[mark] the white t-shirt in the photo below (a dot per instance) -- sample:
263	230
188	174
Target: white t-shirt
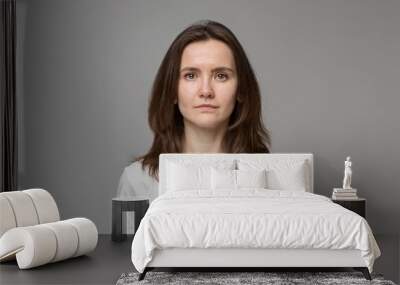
135	182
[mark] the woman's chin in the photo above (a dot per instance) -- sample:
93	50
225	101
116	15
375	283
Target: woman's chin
209	125
206	122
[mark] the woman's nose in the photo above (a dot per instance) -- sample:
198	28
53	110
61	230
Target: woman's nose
206	88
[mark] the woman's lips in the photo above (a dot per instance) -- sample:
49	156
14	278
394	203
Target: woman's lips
206	108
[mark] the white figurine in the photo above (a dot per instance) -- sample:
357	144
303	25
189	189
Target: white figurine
347	174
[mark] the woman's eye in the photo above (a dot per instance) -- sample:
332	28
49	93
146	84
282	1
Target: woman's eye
189	75
222	76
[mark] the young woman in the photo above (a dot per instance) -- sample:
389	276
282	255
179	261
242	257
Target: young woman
205	99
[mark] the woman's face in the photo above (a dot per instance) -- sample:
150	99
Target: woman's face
207	77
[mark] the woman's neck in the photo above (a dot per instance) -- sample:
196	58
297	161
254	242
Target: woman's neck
200	140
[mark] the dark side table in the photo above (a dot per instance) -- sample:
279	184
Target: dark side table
138	204
357	205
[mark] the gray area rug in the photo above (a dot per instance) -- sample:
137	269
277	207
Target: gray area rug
273	278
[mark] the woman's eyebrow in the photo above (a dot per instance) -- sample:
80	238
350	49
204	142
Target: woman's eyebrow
221	68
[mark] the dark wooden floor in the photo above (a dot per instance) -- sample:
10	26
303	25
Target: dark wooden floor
111	259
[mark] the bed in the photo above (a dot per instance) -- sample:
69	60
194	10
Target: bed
244	211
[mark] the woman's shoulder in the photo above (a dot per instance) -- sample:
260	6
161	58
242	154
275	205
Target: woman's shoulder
136	181
136	170
134	166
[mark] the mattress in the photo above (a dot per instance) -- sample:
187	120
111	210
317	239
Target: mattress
250	219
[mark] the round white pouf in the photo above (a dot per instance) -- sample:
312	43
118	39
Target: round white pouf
33	245
40	244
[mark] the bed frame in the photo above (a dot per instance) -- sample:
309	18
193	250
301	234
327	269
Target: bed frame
248	259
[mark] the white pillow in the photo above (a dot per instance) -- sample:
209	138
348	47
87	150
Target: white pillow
237	179
251	178
282	174
289	179
186	175
223	179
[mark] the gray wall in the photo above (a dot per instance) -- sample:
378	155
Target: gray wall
328	71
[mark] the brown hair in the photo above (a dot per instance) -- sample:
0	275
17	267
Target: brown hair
246	132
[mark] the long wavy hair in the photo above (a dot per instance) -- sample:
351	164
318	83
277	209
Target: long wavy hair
246	132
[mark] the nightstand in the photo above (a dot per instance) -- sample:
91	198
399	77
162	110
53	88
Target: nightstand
138	204
357	205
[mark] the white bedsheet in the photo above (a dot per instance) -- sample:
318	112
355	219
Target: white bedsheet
251	218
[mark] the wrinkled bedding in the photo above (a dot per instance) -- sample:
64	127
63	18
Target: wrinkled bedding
250	218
